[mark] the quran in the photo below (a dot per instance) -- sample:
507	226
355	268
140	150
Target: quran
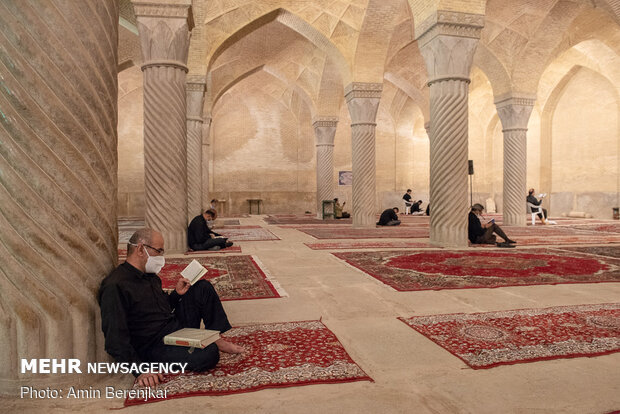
192	337
194	271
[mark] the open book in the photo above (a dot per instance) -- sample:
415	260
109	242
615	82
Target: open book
194	271
192	337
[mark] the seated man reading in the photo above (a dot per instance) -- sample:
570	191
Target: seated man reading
479	233
201	237
136	313
338	213
389	217
533	200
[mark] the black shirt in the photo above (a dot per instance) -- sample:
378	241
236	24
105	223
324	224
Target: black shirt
387	216
198	232
135	312
407	197
474	229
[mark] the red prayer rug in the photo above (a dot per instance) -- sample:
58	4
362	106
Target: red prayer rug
387	232
231	249
609	227
303	220
366	245
277	355
466	269
486	340
233	277
247	233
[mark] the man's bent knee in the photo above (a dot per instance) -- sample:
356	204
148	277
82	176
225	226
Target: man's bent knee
204	359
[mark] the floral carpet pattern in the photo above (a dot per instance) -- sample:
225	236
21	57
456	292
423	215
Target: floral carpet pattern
397	232
486	340
277	355
466	269
233	277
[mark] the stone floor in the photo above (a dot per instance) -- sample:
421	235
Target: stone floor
411	373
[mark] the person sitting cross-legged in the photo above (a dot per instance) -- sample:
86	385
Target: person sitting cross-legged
136	313
201	237
389	217
479	233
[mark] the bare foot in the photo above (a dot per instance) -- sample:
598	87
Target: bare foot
229	347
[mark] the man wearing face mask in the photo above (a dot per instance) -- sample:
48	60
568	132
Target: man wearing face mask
136	313
201	237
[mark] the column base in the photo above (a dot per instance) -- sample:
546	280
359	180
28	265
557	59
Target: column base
514	220
175	241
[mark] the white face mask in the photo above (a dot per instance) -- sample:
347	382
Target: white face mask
210	224
154	264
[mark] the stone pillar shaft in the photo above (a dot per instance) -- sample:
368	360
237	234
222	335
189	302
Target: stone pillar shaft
164	38
514	112
195	102
363	102
325	131
58	183
206	132
448	43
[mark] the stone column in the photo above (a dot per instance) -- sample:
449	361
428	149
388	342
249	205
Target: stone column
206	132
325	131
514	111
58	184
195	101
164	39
447	43
363	102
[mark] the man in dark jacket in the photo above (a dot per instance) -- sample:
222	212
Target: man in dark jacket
389	217
479	233
201	237
533	200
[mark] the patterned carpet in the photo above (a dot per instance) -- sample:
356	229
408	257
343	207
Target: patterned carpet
345	244
486	340
247	233
466	269
303	220
277	355
234	277
396	232
232	249
610	251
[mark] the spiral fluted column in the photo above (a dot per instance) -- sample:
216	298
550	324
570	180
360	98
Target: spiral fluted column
195	100
448	42
363	102
324	131
514	111
164	40
58	185
206	131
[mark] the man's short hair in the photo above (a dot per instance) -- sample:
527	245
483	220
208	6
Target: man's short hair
211	212
409	190
144	236
530	191
477	206
395	208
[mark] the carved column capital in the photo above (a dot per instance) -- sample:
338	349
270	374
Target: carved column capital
164	32
363	102
195	88
206	129
325	130
514	110
448	43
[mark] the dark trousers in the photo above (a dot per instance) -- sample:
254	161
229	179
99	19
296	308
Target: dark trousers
543	215
393	223
488	237
219	241
200	303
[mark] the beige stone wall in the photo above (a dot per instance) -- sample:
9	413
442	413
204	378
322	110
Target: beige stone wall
130	143
585	146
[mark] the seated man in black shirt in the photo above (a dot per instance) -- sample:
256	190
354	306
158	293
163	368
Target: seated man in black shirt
389	217
136	313
407	198
201	237
479	233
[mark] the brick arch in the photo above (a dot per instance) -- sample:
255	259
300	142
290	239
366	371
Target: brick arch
295	23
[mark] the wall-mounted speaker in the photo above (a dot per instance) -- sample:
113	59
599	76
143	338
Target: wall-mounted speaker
471	166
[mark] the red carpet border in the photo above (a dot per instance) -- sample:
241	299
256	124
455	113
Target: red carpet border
396	232
610	251
486	340
367	245
233	277
466	269
277	355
